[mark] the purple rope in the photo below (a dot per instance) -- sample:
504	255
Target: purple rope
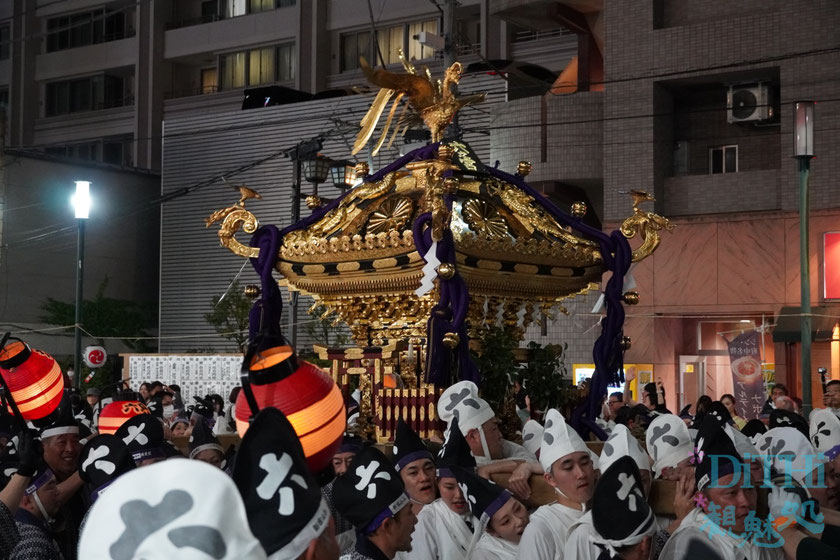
617	255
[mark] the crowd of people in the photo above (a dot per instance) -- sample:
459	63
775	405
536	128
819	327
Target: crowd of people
82	487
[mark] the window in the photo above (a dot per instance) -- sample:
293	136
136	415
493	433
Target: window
262	5
257	67
86	94
209	80
236	8
4	98
390	39
5	42
115	150
261	66
723	159
286	62
87	28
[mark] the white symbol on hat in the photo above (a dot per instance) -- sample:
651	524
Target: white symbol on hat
136	433
9	472
276	472
96	457
628	490
366	475
466	493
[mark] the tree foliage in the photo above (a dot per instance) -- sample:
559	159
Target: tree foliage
229	317
105	317
496	363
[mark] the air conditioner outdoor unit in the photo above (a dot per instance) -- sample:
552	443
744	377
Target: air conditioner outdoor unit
749	103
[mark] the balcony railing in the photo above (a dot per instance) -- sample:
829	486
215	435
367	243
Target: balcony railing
193	21
536	35
190	92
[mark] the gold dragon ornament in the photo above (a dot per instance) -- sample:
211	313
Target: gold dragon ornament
432	100
646	224
236	217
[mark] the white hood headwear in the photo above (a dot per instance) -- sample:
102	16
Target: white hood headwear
669	442
174	509
532	434
462	401
559	440
825	433
743	445
622	443
788	451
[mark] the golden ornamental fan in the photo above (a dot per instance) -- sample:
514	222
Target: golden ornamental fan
484	219
392	215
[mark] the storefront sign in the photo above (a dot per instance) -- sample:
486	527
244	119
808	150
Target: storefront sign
747	376
831	265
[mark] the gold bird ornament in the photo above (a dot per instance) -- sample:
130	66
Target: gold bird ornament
432	100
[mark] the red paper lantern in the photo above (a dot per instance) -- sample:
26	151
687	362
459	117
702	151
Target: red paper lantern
308	397
114	415
34	379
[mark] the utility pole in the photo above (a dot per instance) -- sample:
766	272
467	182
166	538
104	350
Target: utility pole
449	31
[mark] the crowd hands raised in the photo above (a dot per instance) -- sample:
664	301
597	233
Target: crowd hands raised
105	480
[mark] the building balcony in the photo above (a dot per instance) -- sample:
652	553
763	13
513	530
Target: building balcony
75	127
86	60
230	34
745	191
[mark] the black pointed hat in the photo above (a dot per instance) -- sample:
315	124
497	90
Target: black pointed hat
781	418
103	459
483	496
714	453
408	447
455	452
621	515
753	428
285	507
143	434
202	439
350	443
370	491
719	412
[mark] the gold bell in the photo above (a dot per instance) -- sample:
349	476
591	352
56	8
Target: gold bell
361	169
252	291
314	201
451	340
631	298
626	343
446	270
579	209
523	168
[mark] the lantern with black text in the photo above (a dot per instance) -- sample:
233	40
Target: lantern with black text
115	414
307	396
33	378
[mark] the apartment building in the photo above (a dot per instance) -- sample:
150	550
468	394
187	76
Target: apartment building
696	107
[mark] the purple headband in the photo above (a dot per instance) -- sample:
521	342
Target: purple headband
143	454
411	457
389	511
349	448
496	504
832	453
44	478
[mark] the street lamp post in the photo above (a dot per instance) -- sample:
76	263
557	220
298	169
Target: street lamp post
81	205
803	151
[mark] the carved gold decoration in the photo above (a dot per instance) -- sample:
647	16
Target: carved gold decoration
446	270
523	168
361	169
631	297
233	218
392	214
450	185
451	340
646	224
433	100
252	291
579	209
314	201
484	219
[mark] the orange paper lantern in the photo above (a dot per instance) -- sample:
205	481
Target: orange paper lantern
307	396
34	379
114	415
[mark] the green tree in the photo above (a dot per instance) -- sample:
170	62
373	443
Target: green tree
322	331
496	363
106	317
545	376
229	317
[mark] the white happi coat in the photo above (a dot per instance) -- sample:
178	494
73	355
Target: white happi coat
440	534
510	450
545	536
729	548
489	547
